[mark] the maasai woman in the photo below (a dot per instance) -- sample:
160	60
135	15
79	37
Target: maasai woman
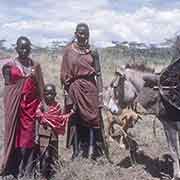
23	86
79	75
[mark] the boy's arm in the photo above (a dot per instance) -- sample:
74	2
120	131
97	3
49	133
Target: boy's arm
37	123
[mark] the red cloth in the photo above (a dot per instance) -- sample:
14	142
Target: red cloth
12	97
21	98
53	117
78	77
27	109
15	74
25	132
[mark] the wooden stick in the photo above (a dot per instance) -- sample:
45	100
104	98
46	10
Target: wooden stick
164	87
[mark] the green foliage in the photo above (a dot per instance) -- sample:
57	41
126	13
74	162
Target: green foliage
122	55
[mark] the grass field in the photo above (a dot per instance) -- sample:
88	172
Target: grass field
148	166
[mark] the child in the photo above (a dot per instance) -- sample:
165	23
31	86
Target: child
51	124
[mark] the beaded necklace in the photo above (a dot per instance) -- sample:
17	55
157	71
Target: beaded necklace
79	50
25	70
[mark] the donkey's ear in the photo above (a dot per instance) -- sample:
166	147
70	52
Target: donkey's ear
116	81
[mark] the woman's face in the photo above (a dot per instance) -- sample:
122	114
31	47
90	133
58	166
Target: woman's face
82	35
23	49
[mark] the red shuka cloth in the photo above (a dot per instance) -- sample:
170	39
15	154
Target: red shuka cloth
29	102
78	78
21	99
25	132
53	117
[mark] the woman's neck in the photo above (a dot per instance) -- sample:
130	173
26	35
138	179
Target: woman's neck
24	62
80	49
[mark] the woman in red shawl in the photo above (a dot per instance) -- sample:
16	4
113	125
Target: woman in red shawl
78	76
23	84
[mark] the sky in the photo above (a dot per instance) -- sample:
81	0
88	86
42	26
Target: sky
146	21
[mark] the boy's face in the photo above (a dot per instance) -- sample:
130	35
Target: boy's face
49	94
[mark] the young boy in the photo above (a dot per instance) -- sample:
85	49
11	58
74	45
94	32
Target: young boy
51	123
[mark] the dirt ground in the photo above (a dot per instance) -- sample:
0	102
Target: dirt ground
152	162
152	159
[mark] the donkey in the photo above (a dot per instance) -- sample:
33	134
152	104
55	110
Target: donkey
125	87
120	98
153	101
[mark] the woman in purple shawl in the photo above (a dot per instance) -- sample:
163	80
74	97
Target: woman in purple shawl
78	76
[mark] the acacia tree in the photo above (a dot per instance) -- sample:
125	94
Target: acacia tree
2	41
176	48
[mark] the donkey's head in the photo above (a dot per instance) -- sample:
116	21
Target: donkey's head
118	86
116	92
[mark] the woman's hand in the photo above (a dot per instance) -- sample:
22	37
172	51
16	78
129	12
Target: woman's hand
100	100
33	71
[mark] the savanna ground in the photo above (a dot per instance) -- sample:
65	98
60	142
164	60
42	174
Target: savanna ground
149	162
